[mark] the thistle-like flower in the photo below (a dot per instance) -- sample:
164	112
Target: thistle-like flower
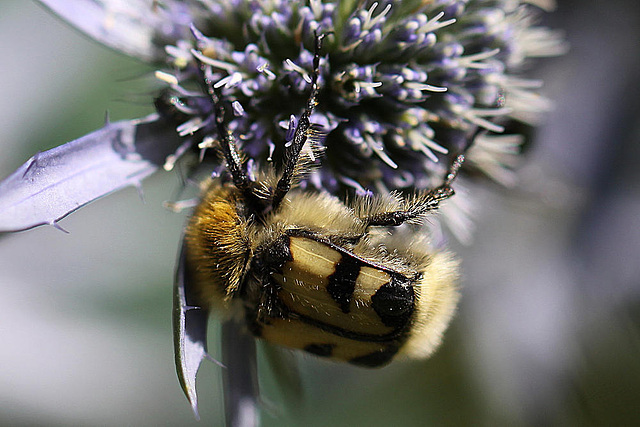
403	86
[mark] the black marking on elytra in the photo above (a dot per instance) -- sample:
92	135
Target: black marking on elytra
342	282
394	301
375	359
392	336
322	350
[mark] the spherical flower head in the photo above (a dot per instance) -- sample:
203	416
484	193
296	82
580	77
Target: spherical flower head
402	86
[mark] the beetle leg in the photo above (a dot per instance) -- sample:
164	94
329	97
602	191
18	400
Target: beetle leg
418	205
292	153
228	146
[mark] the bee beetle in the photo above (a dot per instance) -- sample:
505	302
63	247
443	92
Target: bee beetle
305	270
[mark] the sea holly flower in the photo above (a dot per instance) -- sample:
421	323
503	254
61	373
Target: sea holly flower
403	86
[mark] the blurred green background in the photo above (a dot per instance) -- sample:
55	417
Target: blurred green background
547	332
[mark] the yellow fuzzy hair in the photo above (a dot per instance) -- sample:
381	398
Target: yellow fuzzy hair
436	300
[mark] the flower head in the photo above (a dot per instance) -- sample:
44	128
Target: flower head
402	84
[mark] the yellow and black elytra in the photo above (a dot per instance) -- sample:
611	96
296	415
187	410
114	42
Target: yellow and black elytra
310	272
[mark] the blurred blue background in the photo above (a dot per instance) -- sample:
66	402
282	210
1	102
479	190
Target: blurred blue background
547	332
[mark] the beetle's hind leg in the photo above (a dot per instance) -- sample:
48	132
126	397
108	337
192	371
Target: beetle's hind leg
415	206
